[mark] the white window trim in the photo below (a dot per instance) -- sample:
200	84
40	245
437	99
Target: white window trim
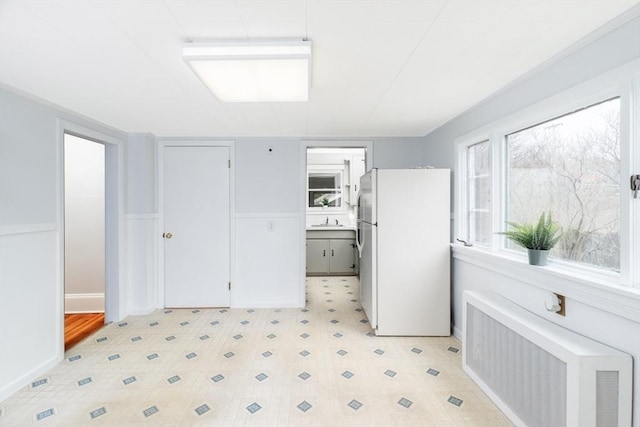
468	232
328	168
615	292
460	226
634	160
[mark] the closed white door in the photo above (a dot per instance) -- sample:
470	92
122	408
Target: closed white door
196	226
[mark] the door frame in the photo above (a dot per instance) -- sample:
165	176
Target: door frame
115	303
195	142
367	144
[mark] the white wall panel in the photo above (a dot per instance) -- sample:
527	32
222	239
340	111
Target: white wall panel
606	328
141	223
30	304
268	261
141	259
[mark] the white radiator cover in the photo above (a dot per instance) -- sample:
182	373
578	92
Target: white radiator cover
540	374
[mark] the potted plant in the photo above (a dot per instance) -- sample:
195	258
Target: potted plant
537	238
324	202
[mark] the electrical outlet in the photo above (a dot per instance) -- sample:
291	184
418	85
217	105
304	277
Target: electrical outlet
561	300
271	226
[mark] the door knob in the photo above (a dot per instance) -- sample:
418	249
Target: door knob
167	235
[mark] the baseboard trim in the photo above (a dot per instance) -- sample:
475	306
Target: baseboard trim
84	303
457	333
24	380
266	304
141	311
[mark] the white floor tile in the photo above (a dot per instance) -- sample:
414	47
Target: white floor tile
317	366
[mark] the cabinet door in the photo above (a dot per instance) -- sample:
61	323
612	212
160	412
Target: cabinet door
356	170
342	256
317	256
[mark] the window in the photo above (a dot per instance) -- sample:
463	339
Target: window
478	194
325	189
570	166
570	155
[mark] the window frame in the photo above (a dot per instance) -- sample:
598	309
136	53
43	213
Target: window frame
468	228
333	169
624	83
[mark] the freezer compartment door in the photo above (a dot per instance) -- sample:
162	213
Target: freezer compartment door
367	198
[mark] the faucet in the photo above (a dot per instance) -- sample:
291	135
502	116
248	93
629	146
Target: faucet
326	222
337	222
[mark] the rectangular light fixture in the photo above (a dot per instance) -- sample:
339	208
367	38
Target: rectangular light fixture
253	70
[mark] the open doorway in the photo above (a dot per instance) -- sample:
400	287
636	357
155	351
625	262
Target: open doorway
84	238
332	187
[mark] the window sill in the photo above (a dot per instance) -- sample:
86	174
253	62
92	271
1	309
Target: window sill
603	293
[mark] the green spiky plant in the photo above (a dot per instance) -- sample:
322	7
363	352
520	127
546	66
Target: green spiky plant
541	236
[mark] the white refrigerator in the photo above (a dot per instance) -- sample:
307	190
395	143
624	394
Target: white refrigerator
403	241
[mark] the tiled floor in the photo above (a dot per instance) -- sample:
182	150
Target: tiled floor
318	366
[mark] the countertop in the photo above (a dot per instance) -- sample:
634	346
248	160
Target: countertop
331	228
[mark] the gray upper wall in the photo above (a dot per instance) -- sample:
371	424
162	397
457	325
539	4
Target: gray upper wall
615	48
29	138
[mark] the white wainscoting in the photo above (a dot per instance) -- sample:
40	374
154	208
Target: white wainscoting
268	261
603	324
30	304
142	234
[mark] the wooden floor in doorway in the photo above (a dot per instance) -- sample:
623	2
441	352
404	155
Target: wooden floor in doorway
79	326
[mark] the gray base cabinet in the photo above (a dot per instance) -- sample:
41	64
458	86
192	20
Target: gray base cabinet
331	253
317	259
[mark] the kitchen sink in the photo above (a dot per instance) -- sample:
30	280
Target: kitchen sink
328	225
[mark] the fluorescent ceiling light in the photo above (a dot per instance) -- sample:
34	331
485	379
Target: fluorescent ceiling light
253	71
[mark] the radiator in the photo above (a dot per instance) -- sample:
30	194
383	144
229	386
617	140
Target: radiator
540	374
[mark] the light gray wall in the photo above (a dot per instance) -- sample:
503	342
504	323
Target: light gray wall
267	222
31	312
140	174
610	51
28	170
616	48
270	215
141	223
397	153
267	181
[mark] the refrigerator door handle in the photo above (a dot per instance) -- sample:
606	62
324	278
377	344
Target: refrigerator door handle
360	237
359	221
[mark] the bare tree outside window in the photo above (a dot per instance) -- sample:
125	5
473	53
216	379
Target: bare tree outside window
570	166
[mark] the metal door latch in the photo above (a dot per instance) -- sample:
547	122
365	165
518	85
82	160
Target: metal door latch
635	185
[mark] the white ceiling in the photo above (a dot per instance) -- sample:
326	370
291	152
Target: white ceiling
380	67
